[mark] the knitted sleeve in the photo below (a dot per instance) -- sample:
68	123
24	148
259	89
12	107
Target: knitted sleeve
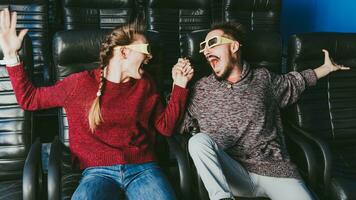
30	97
288	87
189	122
167	118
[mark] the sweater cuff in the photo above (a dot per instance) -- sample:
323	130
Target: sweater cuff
309	77
179	92
15	69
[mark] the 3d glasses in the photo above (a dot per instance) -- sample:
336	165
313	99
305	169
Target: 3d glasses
214	41
142	48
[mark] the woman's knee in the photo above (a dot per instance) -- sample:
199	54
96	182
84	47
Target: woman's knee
92	187
148	181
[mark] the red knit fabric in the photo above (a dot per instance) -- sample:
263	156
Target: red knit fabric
132	112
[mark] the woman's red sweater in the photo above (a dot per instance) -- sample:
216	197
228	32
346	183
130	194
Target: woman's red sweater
132	113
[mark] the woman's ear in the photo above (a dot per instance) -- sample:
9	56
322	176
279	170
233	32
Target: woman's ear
121	52
235	46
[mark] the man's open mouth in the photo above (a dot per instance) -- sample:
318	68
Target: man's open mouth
213	60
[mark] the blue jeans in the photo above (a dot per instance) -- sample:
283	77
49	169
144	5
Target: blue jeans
136	181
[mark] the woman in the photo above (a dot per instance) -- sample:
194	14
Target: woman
113	113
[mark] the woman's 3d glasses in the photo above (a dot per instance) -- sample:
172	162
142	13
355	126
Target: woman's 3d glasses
142	48
214	41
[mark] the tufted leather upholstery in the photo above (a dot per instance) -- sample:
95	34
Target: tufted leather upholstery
33	15
68	61
173	19
55	16
261	15
104	14
325	115
16	138
84	14
63	177
191	50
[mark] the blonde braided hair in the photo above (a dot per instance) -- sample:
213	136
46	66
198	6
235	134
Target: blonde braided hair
120	36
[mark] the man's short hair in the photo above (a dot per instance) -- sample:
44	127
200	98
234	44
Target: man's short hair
233	29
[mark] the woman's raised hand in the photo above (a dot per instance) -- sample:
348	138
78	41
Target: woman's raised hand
10	42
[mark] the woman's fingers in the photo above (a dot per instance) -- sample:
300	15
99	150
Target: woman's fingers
9	24
4	20
13	21
2	23
183	68
7	19
22	33
181	61
177	67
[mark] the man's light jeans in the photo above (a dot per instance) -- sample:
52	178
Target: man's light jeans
223	177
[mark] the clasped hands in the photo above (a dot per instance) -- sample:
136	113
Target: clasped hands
182	72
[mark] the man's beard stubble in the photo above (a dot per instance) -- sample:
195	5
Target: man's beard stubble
227	70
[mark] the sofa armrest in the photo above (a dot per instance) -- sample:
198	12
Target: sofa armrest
54	170
322	146
183	166
32	173
309	156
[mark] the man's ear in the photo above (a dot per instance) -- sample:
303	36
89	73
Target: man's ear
235	46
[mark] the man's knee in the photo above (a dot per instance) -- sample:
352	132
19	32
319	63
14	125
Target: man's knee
199	142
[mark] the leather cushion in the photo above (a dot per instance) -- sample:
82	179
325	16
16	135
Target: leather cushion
11	190
343	188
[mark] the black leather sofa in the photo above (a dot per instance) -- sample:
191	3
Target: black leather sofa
324	118
20	152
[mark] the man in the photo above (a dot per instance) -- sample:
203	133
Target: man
240	150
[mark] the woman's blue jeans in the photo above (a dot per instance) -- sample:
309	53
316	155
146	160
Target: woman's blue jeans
136	181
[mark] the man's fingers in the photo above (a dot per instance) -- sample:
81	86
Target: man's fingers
188	72
187	65
326	52
342	67
191	71
180	65
326	56
185	68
